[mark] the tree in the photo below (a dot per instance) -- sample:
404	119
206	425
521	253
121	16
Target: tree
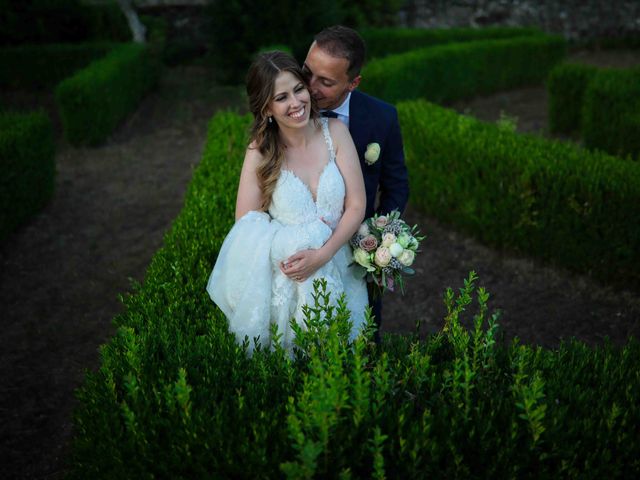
137	28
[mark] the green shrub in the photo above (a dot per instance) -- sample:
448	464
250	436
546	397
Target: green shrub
549	199
566	86
237	19
95	100
386	41
371	13
28	167
175	397
60	21
455	71
619	41
156	36
43	66
611	112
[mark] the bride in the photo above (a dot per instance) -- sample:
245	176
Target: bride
300	199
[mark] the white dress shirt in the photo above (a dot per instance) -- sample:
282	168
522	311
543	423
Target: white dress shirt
343	110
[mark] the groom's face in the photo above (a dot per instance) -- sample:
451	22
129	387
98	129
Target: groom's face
328	78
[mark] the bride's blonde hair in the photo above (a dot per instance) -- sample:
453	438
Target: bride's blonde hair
264	134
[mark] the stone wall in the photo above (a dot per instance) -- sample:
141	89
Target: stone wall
575	19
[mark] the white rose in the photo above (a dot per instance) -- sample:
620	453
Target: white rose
364	230
395	249
388	239
372	154
407	257
362	258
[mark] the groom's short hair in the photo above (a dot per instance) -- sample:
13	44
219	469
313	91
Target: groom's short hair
343	42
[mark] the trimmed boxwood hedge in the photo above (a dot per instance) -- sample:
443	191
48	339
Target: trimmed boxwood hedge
546	198
460	70
566	85
93	101
43	66
611	112
175	397
601	103
28	167
386	41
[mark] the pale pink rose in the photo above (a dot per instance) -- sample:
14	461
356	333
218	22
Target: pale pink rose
383	257
381	222
388	239
369	243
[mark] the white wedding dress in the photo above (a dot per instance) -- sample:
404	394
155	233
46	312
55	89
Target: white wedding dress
246	281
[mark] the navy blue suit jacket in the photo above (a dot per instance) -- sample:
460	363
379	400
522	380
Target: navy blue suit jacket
374	121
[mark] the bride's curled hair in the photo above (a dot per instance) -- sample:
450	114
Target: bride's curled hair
264	134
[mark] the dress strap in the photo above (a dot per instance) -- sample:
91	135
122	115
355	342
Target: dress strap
327	137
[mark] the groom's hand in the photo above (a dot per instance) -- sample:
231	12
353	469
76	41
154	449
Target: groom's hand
302	265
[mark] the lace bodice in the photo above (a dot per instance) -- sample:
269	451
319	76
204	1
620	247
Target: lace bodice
293	202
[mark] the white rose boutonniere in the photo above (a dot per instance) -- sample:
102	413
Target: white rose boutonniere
372	154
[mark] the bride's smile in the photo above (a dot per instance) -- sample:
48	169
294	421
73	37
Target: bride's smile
298	114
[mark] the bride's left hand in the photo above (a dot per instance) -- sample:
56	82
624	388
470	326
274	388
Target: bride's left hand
303	264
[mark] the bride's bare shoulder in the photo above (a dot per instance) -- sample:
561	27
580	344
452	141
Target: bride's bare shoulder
252	156
339	132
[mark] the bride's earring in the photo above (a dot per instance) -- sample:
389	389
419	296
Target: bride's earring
270	119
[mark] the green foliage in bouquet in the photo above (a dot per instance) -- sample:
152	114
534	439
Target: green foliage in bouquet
29	67
566	85
462	70
386	41
611	112
176	397
28	167
549	199
95	100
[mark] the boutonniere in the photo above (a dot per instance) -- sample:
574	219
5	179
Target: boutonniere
372	154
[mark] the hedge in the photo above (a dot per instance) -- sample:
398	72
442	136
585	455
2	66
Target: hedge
175	397
566	86
386	41
43	66
611	115
260	23
28	167
96	99
452	72
545	198
60	21
600	103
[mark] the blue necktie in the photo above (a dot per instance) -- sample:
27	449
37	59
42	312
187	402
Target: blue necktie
329	114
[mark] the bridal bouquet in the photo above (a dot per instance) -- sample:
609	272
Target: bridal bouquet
384	248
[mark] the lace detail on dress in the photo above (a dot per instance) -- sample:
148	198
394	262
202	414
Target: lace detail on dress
327	138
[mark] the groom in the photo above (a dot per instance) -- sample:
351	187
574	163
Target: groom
332	68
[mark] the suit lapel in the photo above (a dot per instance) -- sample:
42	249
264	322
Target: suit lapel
359	122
